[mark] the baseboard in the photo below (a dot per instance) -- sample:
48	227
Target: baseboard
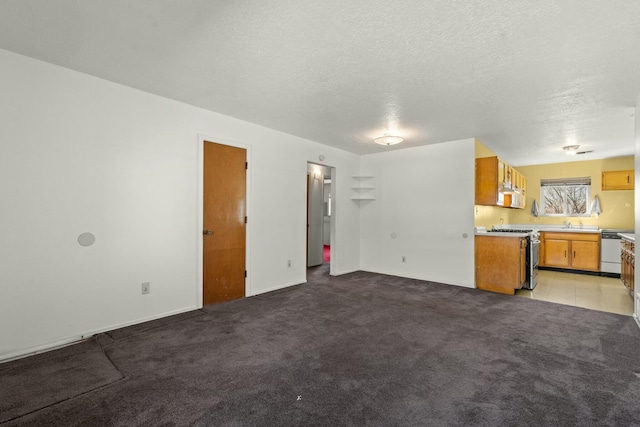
340	273
277	288
569	270
472	286
74	339
607	274
635	316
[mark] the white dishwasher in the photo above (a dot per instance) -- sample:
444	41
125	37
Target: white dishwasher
610	251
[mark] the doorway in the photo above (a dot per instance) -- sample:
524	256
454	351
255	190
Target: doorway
320	216
224	222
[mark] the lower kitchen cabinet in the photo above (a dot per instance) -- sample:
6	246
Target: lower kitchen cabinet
555	253
627	258
586	255
575	251
500	263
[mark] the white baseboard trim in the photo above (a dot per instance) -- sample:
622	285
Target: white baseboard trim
277	288
424	279
635	317
74	339
340	273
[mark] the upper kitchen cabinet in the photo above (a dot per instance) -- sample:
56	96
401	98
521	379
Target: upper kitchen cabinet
499	184
617	180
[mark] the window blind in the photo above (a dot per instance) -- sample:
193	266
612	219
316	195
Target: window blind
565	181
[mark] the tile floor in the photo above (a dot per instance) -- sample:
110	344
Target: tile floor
581	290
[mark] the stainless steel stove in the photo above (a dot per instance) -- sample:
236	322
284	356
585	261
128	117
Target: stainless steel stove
509	230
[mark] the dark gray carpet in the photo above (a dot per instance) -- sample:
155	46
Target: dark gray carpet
367	349
33	383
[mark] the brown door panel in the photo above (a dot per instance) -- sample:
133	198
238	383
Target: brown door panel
224	214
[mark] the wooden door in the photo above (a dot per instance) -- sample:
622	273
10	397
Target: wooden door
585	255
556	253
224	233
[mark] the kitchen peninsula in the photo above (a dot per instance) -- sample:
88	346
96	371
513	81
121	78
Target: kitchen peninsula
501	261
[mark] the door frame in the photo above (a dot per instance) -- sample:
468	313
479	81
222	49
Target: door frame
200	213
332	221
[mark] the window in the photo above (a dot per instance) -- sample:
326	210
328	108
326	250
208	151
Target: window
565	196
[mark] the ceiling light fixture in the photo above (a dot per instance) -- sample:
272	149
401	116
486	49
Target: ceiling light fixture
571	149
388	140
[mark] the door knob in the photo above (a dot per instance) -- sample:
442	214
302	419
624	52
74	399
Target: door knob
207	232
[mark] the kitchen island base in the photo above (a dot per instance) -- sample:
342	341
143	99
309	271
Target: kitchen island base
500	263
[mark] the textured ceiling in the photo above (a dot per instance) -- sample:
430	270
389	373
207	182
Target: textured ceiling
525	77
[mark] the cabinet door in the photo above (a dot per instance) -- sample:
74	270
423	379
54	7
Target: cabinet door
632	273
489	172
626	270
497	262
585	255
556	253
617	180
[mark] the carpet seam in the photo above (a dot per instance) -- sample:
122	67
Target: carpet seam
65	400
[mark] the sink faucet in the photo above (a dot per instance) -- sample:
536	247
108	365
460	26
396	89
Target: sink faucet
581	224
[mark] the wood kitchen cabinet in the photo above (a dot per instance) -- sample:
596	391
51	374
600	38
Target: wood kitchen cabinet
500	263
492	175
627	258
617	180
555	253
576	251
586	255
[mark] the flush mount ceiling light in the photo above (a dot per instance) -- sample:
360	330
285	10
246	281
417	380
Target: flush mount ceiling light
388	140
571	149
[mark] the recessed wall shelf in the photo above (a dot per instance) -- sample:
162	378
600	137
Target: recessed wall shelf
363	188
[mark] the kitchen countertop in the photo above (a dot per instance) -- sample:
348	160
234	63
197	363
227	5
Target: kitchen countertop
569	230
575	228
629	237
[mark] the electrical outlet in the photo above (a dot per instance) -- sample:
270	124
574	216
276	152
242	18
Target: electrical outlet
289	263
146	288
404	258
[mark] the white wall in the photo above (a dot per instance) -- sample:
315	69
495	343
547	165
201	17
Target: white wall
424	197
81	154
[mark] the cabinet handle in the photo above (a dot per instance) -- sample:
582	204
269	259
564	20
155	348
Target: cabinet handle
627	179
565	254
574	254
